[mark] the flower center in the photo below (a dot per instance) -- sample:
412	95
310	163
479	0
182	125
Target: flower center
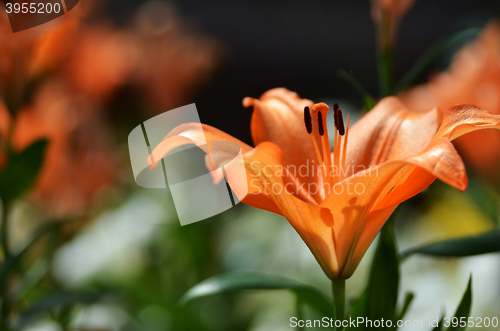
332	168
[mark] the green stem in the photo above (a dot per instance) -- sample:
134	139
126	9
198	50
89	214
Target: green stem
338	289
300	316
4	312
385	55
385	72
4	234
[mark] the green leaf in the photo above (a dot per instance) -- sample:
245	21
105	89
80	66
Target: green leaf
481	244
52	225
433	54
406	304
258	281
463	309
380	297
22	170
439	326
368	101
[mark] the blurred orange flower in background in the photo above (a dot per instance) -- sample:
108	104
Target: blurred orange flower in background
159	55
474	78
79	161
338	208
31	53
40	104
101	61
58	81
390	13
174	58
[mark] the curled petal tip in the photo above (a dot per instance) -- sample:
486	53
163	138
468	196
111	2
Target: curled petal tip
463	184
151	163
247	102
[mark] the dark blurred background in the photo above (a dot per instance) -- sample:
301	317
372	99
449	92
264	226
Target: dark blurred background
301	44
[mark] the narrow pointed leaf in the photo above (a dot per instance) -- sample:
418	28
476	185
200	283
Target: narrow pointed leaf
259	281
463	309
368	101
406	304
439	326
481	244
380	297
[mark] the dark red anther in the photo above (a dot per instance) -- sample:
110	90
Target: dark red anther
308	120
339	119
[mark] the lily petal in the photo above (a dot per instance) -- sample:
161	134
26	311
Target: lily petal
389	131
352	200
313	223
441	159
408	178
374	222
463	119
278	117
191	133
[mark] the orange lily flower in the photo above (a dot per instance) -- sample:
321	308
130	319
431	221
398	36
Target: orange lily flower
342	197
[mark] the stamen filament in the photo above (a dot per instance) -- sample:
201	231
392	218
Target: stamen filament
321	128
309	128
336	156
316	149
325	145
344	151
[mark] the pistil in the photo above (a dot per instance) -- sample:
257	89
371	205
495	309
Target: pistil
325	146
309	128
332	171
322	111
